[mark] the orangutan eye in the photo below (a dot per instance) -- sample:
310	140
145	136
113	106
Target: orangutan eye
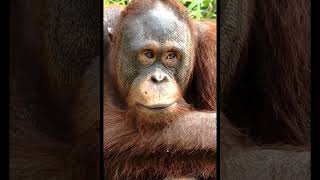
172	55
171	59
148	54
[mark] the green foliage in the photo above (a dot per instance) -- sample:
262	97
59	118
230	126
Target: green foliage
198	9
121	2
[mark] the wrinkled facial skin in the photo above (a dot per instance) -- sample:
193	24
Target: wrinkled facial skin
154	82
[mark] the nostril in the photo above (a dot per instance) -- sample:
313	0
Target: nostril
156	79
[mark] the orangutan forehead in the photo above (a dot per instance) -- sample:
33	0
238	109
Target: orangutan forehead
159	24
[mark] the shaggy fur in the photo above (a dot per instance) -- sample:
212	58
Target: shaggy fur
265	89
54	90
183	147
268	94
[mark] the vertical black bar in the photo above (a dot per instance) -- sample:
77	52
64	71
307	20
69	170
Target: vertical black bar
101	91
218	91
314	116
311	89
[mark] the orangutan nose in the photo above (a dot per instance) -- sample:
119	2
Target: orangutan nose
159	76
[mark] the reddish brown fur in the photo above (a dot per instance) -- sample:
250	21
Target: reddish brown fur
54	101
288	66
205	69
132	156
265	89
270	92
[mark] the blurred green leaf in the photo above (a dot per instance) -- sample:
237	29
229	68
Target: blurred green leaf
192	5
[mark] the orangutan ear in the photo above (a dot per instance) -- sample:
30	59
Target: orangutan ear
110	33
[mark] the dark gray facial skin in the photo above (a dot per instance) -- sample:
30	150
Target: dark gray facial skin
161	29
